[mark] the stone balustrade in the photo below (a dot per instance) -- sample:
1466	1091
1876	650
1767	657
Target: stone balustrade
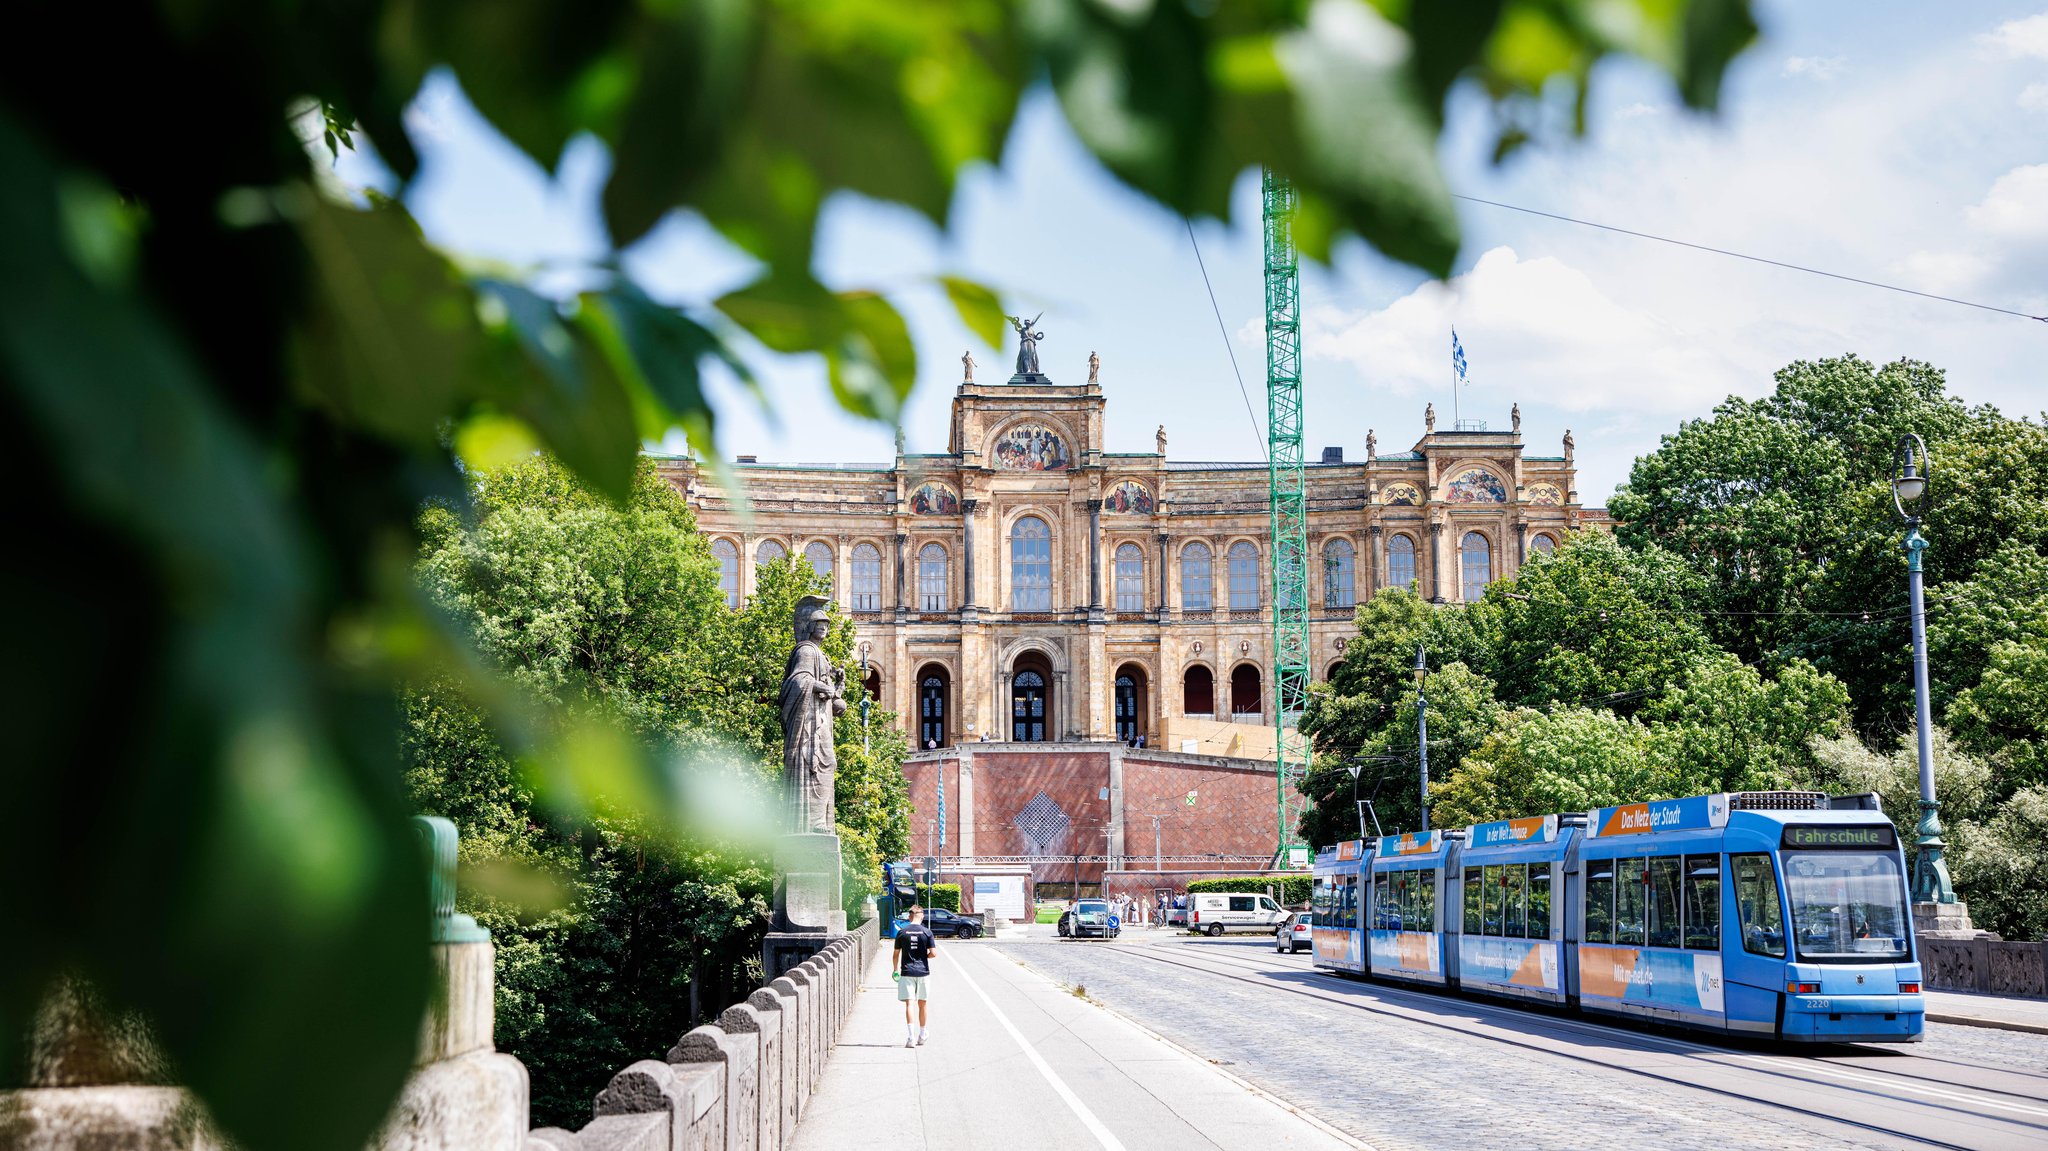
738	1084
1986	965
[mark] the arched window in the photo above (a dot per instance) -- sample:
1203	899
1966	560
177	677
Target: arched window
1027	707
769	552
1130	577
1400	561
1244	576
1030	565
818	554
931	578
1197	578
728	557
1542	545
1340	569
931	708
1198	692
1244	690
1476	561
867	577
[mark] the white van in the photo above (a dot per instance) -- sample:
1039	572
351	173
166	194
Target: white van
1215	913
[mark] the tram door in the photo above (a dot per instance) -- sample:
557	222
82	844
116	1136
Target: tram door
1027	707
1126	709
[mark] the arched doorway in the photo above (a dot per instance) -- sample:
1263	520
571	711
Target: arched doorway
873	684
1244	690
1198	692
933	686
1031	714
1132	707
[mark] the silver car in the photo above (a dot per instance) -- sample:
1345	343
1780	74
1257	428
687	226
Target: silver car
1292	934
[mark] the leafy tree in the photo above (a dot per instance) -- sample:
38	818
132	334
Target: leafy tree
2004	716
227	393
2001	866
1533	762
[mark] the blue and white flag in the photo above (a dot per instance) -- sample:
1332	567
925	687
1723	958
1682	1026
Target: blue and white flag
1457	356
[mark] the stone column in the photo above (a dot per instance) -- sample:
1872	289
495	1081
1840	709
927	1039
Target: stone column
1375	560
1115	845
1065	710
1521	543
1094	556
1162	575
967	604
966	802
1002	715
901	603
1436	562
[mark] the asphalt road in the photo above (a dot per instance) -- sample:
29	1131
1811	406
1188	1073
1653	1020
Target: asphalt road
1401	1068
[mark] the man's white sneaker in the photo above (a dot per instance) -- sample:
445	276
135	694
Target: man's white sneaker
920	1039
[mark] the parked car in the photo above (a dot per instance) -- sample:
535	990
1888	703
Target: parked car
1293	934
1213	913
1089	918
952	924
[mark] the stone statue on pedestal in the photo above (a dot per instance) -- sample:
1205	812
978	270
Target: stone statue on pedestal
1159	438
1094	366
967	365
813	695
808	886
1027	345
1569	444
1372	445
1428	418
1515	418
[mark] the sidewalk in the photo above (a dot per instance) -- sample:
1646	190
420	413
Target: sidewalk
1973	1010
1015	1061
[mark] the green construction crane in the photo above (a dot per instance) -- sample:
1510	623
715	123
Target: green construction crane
1290	506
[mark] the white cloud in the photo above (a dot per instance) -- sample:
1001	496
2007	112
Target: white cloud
2016	207
1535	328
2034	98
1817	67
2028	37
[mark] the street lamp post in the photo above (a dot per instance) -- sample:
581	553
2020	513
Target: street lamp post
1422	731
1909	485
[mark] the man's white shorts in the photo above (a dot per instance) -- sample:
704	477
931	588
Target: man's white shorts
911	987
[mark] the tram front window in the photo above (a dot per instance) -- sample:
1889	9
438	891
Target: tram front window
1847	906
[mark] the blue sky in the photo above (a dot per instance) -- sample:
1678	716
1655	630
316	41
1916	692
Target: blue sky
1903	142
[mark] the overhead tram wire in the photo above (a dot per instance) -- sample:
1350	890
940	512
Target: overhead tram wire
1745	256
1259	432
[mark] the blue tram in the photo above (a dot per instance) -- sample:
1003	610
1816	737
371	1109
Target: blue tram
1779	914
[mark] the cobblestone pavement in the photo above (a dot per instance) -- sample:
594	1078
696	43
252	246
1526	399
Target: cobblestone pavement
1399	1083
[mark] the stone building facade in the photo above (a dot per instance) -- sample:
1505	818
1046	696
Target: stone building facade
1028	586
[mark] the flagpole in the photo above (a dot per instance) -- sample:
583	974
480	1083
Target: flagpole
1455	378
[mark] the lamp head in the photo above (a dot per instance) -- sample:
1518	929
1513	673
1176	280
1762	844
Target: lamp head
1421	667
1909	479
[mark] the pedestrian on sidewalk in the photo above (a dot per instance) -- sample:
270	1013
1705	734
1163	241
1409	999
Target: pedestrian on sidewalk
910	967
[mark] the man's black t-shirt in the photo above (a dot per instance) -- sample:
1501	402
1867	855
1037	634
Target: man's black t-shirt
915	941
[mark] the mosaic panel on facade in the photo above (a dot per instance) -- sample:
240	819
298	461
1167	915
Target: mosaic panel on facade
934	500
1545	495
1401	496
1129	497
1475	486
1031	448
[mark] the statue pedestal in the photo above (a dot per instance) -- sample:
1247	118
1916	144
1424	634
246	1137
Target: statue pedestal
1943	921
808	914
1038	379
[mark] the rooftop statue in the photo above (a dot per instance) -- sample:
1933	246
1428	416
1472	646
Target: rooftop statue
1027	344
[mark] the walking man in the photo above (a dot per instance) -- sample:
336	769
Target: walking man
910	967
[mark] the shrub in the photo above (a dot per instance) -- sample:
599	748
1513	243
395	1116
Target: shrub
1292	889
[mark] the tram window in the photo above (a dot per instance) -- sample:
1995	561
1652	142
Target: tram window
1489	913
1662	909
1351	889
1424	884
1703	902
1600	901
1517	875
1539	901
1472	884
1756	900
1630	879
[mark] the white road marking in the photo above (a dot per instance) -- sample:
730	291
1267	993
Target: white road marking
1095	1127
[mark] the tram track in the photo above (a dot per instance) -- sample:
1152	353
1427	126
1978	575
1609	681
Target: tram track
2011	1110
